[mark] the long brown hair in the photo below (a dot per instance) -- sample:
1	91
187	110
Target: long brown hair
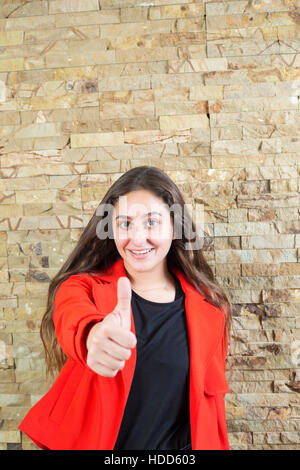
93	254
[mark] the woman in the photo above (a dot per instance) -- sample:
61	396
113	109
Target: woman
138	330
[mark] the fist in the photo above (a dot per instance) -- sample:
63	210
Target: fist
110	341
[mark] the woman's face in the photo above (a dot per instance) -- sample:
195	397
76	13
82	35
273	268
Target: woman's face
142	221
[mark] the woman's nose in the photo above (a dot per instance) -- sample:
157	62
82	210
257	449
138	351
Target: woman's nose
138	233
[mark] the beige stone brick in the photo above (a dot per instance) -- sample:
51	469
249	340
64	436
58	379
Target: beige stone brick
194	149
180	80
189	24
86	47
65	101
7	376
126	70
232	270
124	83
248	147
11	64
284	186
245	228
163	150
260	104
62	6
221	119
3	266
131	29
41	143
3	252
245	47
10	210
258	269
203	92
176	11
79	33
10	436
175	94
183	122
132	15
288	32
44	76
7	197
39	7
289	268
156	136
148	41
86	18
235	7
184	108
95	140
46	129
30	22
197	65
266	32
9	118
145	54
268	200
54	60
249	20
110	109
115	152
94	191
228	133
196	52
29	376
263	65
11	38
251	90
13	400
272	241
241	439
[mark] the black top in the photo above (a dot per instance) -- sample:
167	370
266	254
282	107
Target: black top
157	414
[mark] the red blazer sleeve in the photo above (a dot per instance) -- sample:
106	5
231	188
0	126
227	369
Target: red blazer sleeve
74	314
216	387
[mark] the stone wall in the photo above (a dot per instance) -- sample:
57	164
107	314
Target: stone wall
208	91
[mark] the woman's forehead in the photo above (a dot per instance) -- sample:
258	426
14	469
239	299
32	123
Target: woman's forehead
134	206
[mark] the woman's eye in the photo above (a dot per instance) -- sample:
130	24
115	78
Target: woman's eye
151	221
120	225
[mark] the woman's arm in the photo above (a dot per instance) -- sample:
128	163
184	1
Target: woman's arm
74	315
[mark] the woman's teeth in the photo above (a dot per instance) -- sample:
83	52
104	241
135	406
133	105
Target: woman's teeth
141	252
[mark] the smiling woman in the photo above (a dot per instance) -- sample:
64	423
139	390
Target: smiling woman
138	330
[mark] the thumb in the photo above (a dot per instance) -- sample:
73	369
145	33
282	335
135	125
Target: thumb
124	301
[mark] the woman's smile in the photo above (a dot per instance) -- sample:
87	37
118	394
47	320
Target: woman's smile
141	254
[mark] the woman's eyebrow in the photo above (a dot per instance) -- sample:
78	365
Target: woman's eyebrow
129	217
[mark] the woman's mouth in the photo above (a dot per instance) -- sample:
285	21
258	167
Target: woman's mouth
141	254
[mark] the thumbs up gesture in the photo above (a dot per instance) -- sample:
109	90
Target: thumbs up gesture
110	341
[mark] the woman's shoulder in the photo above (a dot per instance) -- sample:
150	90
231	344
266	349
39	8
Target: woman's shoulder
83	279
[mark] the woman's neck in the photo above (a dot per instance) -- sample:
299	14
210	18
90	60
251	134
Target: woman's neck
157	279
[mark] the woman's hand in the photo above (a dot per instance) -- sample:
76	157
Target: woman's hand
109	342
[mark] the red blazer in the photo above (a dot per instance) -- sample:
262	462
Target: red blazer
83	410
